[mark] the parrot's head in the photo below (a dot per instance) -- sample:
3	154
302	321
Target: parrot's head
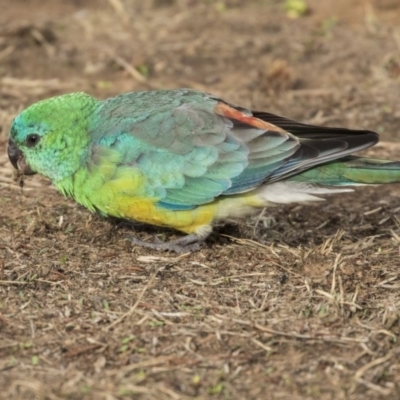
50	137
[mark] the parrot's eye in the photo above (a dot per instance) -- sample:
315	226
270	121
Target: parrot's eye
32	140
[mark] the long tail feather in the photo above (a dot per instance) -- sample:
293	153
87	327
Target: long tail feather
352	170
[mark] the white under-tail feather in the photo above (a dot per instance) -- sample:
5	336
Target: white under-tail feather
232	207
295	192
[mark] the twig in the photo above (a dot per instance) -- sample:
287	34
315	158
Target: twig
132	71
294	334
5	283
152	363
361	371
134	307
374	387
15	283
335	265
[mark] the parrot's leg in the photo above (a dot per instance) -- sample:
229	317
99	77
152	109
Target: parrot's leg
182	245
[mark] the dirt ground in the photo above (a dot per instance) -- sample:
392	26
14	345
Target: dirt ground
299	303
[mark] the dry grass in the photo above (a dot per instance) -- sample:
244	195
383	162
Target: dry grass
299	303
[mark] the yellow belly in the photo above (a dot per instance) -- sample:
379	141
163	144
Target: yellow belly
189	221
124	196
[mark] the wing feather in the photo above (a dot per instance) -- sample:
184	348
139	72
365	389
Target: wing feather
193	147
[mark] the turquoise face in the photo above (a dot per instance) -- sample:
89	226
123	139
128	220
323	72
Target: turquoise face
24	142
31	148
27	133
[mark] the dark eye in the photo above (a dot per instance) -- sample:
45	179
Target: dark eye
32	140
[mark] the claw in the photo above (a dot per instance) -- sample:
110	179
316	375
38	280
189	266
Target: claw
185	244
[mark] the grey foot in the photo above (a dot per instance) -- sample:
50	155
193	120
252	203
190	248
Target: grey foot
185	244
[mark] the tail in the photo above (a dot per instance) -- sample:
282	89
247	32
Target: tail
351	171
334	177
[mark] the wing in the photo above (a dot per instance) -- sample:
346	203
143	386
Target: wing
318	144
191	147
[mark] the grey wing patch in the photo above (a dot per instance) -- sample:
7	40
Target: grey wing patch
268	150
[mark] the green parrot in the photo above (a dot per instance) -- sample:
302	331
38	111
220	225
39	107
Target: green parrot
185	159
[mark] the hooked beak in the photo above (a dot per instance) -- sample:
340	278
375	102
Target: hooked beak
17	158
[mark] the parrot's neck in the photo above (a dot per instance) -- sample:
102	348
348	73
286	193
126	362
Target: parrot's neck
67	166
75	185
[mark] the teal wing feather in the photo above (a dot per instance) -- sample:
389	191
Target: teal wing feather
190	155
185	151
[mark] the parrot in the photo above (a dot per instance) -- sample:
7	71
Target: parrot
186	159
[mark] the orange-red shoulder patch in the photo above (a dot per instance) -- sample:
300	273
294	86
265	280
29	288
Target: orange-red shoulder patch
225	110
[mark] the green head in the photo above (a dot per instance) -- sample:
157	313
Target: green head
51	137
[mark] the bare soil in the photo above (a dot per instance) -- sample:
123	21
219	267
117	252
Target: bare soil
299	303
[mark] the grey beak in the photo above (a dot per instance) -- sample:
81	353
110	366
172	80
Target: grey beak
14	153
17	158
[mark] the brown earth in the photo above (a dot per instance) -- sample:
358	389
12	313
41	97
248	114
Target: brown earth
300	303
